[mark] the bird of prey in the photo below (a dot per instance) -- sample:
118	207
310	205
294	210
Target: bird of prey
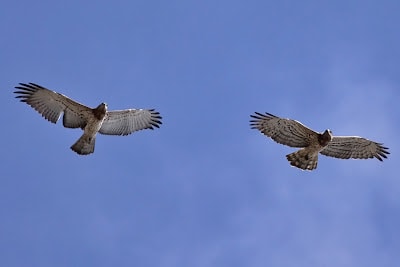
294	134
51	105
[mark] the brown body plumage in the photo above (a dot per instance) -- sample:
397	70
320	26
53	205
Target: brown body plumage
51	105
294	134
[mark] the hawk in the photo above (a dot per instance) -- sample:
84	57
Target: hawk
294	134
51	105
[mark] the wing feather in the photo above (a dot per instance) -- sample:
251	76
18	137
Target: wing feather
346	147
51	105
124	122
284	131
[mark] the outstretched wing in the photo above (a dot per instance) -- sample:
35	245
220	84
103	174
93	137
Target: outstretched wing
124	122
284	131
51	104
345	147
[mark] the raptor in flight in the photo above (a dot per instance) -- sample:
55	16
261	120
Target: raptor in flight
51	105
294	134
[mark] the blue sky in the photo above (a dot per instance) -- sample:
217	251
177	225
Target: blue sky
204	189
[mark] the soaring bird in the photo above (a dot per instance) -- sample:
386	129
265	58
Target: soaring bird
294	134
51	105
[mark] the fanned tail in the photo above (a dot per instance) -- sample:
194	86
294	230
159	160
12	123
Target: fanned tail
84	145
303	159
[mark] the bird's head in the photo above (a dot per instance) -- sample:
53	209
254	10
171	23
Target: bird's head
327	135
102	107
325	138
100	111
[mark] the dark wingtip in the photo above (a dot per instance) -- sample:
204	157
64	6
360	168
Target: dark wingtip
272	115
24	90
156	119
156	124
382	152
259	115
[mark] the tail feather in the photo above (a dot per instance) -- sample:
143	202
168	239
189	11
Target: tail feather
84	145
303	159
